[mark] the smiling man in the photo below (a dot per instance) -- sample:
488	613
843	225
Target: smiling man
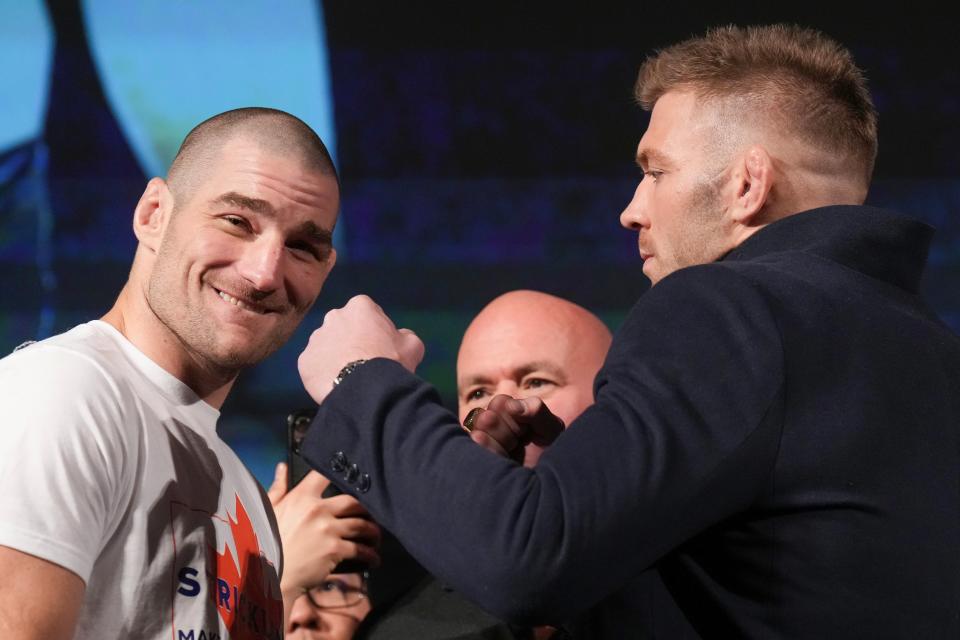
123	513
775	425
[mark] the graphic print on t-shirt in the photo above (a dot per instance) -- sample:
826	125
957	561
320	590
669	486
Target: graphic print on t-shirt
220	566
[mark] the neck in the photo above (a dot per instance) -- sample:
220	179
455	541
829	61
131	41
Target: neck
136	321
802	193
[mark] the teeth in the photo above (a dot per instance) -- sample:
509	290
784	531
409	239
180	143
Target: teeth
237	303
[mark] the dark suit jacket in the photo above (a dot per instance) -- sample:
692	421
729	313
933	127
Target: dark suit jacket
432	611
779	431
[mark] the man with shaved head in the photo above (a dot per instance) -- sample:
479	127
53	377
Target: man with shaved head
527	343
123	513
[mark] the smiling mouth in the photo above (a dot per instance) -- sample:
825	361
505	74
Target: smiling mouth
242	304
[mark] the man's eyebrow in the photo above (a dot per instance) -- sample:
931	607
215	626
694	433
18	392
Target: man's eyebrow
316	233
472	381
647	156
245	202
309	228
522	371
548	366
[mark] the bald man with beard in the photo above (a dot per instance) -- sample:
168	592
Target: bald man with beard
522	344
527	343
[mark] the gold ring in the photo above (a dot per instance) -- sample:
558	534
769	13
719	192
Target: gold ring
468	421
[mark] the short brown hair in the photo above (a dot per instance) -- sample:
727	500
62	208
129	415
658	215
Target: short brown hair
807	83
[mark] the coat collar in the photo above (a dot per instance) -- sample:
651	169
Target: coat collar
873	241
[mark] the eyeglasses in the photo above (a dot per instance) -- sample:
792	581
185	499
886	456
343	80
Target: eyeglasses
339	590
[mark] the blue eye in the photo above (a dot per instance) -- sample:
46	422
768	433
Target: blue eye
338	585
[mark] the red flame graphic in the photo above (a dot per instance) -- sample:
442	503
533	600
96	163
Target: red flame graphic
246	589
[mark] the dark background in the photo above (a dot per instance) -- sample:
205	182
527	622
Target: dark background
482	147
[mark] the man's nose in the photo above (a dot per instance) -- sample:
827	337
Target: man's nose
633	217
303	615
262	264
508	388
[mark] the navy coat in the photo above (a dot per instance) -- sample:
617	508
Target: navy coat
778	433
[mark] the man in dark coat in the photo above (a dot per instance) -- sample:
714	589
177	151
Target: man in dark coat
777	423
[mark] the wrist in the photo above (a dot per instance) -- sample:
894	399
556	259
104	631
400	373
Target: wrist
292	587
290	590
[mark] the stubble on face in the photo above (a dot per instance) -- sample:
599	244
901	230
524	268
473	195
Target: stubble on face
701	234
680	217
168	296
221	321
722	133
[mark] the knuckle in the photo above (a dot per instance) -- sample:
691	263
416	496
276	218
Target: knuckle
316	510
486	420
499	402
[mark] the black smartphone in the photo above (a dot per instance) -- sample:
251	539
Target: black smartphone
298	423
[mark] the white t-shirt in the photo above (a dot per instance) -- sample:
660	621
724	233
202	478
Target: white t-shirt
112	468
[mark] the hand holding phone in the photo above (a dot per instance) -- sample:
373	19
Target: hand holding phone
363	538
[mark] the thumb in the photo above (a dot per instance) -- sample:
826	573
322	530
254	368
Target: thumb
279	487
411	349
544	426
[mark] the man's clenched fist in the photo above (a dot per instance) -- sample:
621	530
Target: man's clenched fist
358	331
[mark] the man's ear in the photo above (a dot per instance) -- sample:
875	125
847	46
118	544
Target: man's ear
152	214
753	179
331	261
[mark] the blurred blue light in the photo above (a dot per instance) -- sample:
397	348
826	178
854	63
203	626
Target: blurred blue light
26	53
166	66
